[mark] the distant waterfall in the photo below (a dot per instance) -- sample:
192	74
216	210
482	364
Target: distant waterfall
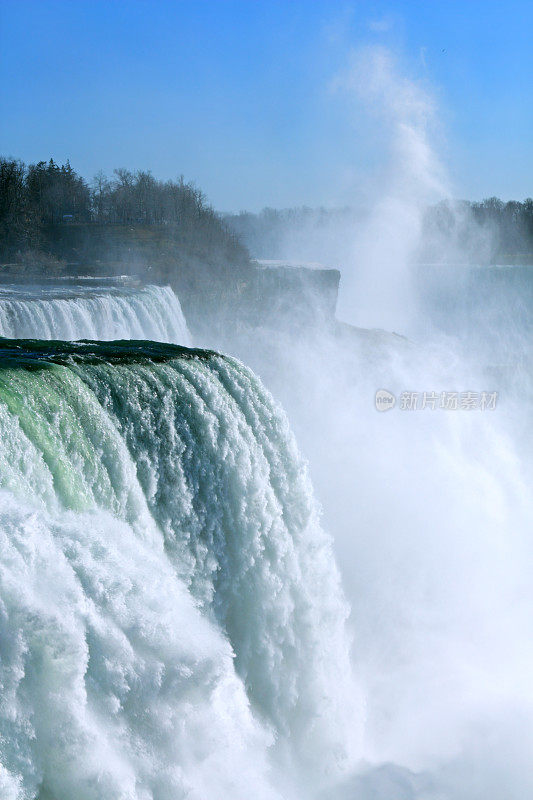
93	312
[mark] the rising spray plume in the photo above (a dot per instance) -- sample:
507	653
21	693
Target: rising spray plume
378	284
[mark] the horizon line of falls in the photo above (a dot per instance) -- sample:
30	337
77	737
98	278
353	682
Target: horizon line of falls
171	618
104	312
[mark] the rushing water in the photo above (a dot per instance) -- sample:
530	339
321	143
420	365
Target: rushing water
92	311
171	618
171	621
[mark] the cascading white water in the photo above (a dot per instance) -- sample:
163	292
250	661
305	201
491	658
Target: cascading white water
171	621
93	312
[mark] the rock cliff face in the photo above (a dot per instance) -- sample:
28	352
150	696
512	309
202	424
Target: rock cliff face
294	294
267	295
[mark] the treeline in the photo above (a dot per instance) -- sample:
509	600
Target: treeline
489	230
512	223
291	233
35	196
507	227
39	203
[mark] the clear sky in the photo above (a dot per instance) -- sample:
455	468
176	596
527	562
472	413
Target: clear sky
237	94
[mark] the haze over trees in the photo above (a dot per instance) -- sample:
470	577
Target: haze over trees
506	226
490	230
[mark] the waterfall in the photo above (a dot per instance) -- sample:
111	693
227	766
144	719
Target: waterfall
171	618
93	312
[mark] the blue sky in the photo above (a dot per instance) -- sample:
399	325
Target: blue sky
238	97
